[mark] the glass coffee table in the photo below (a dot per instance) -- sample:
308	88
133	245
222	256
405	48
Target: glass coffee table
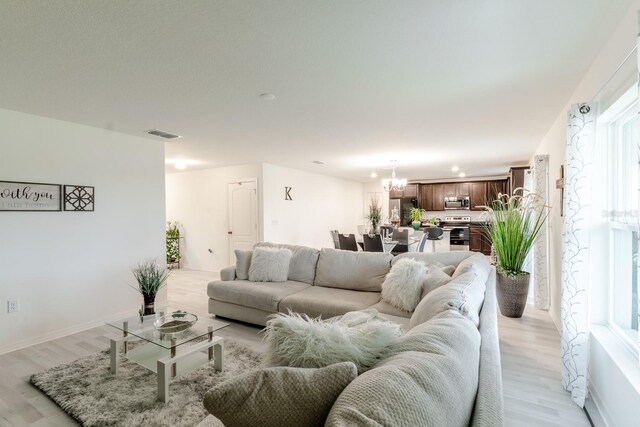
167	354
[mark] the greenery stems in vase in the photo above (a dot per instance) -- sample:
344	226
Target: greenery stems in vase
173	242
151	278
375	214
513	226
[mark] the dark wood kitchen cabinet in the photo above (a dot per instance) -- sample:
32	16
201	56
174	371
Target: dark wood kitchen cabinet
463	189
495	188
449	190
425	197
410	192
437	201
478	241
478	195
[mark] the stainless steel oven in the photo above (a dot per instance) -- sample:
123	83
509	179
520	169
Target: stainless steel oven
458	228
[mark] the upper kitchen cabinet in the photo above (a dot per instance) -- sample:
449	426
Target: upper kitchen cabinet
516	178
478	194
437	201
495	188
410	192
463	189
449	190
425	197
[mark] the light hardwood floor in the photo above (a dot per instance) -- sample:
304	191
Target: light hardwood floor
530	349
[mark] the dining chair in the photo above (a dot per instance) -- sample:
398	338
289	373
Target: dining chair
386	230
334	237
433	234
348	242
401	235
373	243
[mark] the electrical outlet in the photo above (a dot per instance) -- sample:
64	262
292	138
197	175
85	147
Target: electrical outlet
13	306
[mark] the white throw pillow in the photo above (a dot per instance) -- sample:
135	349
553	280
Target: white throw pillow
299	341
269	265
403	286
243	262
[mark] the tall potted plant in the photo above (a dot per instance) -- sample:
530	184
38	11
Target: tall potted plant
513	226
151	278
375	215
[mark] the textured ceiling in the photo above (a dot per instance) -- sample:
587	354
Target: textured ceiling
430	83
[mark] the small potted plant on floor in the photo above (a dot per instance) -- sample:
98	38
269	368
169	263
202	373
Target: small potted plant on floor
173	242
513	226
151	278
416	218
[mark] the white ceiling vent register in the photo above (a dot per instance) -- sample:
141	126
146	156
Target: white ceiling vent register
162	134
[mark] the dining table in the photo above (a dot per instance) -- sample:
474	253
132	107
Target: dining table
388	244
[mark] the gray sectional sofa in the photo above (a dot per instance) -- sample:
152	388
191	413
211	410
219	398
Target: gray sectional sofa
330	282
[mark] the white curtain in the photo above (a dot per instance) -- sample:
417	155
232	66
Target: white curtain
575	251
541	246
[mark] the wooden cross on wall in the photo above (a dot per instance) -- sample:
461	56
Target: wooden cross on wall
560	186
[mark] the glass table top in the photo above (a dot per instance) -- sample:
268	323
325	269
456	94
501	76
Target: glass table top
143	328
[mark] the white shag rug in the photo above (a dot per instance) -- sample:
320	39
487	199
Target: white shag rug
86	390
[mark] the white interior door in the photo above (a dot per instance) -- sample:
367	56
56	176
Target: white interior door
243	217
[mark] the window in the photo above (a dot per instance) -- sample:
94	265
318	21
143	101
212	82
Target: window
620	126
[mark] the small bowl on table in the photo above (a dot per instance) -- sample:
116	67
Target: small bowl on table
175	322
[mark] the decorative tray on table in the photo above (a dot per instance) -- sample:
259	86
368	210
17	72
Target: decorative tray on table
175	322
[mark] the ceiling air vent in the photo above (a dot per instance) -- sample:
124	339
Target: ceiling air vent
161	134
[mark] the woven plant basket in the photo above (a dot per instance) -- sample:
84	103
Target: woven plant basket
512	292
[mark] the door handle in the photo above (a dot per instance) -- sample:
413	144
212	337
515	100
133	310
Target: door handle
229	232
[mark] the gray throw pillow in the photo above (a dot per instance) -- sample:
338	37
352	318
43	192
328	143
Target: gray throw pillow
464	293
243	262
361	337
429	379
279	397
435	278
477	263
269	265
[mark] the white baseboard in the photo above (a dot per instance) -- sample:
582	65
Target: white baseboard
59	333
597	411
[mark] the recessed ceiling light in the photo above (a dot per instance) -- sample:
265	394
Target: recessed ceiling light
374	175
461	175
318	162
181	165
267	96
455	169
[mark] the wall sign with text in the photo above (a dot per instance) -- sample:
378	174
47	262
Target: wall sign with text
30	196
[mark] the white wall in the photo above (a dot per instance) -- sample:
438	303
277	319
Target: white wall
199	201
320	203
605	373
71	270
618	46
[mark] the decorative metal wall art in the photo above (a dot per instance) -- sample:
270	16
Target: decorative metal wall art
79	198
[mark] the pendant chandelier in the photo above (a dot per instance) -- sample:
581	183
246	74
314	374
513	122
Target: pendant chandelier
394	184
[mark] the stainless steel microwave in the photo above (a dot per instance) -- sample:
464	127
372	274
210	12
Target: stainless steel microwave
451	203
